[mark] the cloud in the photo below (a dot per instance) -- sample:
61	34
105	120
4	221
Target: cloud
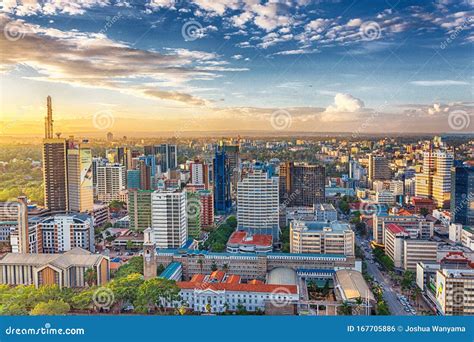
345	103
437	83
93	60
50	7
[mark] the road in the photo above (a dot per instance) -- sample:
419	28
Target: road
389	293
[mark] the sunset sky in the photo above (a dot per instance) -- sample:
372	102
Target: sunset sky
201	65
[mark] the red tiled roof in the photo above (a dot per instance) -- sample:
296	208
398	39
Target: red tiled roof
233	279
217	275
240	237
395	228
283	289
404	212
198	278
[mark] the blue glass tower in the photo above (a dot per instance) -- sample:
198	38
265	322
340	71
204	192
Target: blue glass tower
462	195
222	200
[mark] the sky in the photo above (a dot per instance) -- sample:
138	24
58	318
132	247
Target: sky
214	65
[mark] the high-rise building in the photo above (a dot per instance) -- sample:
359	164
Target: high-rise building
54	167
169	219
455	291
139	208
79	176
199	173
233	153
169	156
462	196
111	183
207	208
258	205
321	238
378	168
133	179
221	167
146	176
302	185
434	181
55	234
193	213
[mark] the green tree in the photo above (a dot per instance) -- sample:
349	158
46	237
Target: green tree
52	307
156	293
125	288
232	222
134	265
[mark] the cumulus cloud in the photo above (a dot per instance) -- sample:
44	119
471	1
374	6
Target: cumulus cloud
345	103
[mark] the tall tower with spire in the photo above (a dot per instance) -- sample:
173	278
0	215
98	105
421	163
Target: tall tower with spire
54	166
48	120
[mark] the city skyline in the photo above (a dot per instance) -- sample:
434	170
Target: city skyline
167	66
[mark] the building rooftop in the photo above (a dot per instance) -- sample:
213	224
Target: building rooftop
282	276
242	238
170	270
352	285
75	257
335	226
395	228
201	282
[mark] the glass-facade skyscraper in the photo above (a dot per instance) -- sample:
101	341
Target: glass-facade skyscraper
222	199
462	196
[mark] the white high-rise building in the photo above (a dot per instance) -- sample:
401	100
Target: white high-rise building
111	182
169	219
257	204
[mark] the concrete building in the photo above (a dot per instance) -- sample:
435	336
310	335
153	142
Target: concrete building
139	208
325	212
434	181
248	265
455	291
220	292
378	168
79	176
100	214
321	237
418	226
406	252
64	270
55	234
257	204
415	251
169	218
111	183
